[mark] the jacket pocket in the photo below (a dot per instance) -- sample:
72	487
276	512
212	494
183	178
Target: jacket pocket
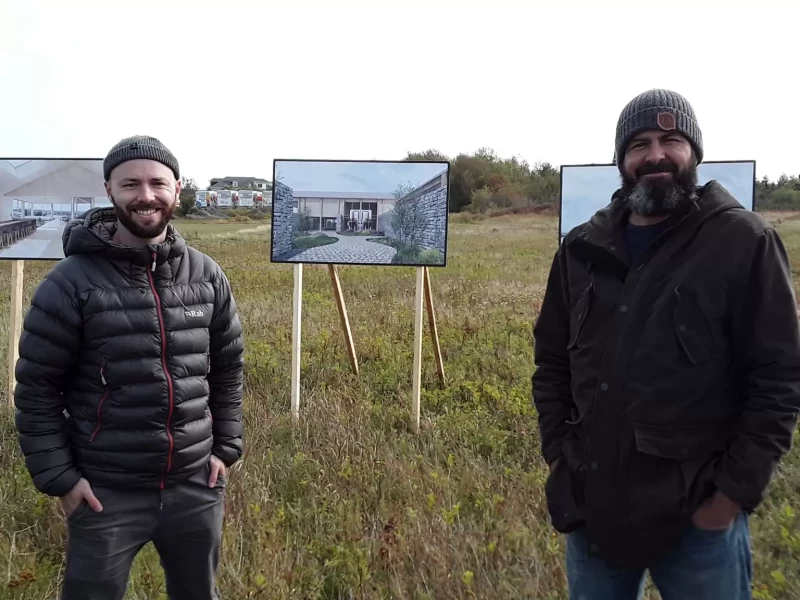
101	404
692	330
564	488
681	442
674	468
565	498
82	507
578	315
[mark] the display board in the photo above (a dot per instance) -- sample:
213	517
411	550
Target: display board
37	199
349	212
585	189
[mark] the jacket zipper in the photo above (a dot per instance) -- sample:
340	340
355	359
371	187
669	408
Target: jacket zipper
164	365
100	407
208	370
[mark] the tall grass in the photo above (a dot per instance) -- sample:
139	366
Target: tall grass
353	504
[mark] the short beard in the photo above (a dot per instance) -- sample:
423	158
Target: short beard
657	198
146	233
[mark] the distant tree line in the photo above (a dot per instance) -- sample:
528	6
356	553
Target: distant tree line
188	188
483	182
783	194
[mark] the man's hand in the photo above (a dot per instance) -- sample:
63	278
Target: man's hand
82	491
217	469
717	513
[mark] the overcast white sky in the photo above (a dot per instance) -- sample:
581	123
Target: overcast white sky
228	86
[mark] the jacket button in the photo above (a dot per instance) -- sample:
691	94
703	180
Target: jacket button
604	387
594	465
682	327
623	309
593	548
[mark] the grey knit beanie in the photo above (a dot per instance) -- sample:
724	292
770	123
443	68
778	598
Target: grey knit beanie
139	146
657	109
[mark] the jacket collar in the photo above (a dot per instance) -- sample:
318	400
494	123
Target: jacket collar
93	234
605	229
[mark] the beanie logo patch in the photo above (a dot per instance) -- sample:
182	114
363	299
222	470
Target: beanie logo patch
666	121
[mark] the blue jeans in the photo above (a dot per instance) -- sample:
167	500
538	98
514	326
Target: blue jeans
705	565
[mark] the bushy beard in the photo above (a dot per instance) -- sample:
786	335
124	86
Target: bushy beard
656	197
126	218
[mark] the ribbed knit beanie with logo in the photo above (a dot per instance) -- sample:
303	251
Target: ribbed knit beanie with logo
657	109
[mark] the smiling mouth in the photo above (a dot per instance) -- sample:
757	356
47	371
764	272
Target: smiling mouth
145	212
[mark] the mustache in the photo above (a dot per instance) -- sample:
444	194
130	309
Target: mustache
664	166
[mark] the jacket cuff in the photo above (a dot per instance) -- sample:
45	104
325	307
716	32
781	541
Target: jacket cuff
226	454
745	494
552	451
61	485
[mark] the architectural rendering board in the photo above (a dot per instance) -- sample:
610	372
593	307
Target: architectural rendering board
38	197
360	212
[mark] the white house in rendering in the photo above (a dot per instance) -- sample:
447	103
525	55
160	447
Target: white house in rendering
356	211
343	211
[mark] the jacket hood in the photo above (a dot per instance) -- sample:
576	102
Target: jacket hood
92	233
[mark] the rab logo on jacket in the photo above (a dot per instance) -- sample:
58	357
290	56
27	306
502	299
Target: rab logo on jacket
194	313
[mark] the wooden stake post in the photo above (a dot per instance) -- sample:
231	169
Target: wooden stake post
348	336
14	325
417	372
437	351
297	330
296	337
423	290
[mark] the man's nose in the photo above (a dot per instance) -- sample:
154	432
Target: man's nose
146	192
655	153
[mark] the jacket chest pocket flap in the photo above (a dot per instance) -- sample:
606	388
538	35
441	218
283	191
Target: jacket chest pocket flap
578	315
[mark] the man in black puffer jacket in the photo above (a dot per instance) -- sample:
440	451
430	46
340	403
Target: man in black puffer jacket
129	386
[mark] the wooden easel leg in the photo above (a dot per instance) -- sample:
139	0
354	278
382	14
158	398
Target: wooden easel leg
14	325
296	337
437	351
417	372
348	335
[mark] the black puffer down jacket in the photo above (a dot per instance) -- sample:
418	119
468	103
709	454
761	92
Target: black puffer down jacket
143	349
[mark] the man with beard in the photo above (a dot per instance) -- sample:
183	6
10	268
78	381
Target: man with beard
136	337
667	379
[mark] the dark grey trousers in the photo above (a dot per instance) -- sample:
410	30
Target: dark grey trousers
183	521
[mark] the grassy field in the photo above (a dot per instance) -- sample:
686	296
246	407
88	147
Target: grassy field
353	504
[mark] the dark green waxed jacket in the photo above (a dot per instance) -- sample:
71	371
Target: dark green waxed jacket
658	382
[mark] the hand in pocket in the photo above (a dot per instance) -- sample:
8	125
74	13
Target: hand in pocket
717	513
80	492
